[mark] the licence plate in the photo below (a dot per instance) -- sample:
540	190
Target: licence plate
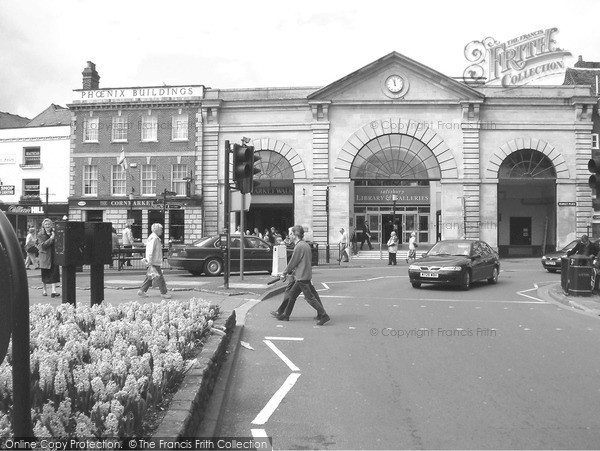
432	275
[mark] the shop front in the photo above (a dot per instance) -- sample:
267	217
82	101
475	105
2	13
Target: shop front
179	217
403	209
22	216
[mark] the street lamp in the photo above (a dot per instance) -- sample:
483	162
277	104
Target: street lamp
394	199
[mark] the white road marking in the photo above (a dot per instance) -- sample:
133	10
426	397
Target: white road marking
276	399
285	338
281	355
260	436
487	301
325	285
522	293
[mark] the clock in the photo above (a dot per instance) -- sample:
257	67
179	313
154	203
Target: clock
394	83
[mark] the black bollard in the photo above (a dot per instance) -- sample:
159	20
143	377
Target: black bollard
19	299
96	284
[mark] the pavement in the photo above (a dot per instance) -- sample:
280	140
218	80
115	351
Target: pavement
122	286
554	293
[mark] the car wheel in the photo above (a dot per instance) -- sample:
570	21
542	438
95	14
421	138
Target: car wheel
195	273
551	270
213	266
416	284
494	278
466	280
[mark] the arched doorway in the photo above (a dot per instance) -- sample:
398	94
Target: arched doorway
273	197
396	185
526	203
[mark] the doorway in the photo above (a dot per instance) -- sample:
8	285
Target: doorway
520	231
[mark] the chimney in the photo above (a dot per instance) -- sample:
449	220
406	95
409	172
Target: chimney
91	79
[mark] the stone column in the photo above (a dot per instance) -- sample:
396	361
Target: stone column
471	171
211	164
320	151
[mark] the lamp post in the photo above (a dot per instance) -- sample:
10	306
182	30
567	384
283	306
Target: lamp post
394	199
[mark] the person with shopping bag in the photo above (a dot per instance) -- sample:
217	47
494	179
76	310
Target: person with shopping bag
392	245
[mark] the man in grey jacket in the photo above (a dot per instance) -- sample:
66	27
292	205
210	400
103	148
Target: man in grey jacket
301	266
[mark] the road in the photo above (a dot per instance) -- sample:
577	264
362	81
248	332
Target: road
404	368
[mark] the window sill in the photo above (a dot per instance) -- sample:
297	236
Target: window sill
149	141
30	166
119	141
182	140
90	142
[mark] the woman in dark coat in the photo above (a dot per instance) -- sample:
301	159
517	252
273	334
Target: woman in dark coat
47	257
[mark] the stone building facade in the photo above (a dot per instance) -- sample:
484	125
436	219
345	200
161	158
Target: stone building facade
394	143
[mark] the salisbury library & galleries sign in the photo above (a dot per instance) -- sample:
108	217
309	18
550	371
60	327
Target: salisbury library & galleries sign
402	195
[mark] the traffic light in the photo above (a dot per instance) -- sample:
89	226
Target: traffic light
243	167
594	180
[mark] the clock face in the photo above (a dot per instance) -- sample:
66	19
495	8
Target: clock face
394	83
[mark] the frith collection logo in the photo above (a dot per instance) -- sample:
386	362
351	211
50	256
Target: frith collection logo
518	61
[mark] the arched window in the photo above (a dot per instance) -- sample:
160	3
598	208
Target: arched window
273	166
395	156
527	163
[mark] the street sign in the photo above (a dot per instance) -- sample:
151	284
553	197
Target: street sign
174	206
7	190
567	204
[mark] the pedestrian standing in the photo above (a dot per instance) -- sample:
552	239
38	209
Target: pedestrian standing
115	246
266	235
344	246
412	247
301	266
257	233
353	242
366	236
31	249
154	258
47	257
392	245
127	237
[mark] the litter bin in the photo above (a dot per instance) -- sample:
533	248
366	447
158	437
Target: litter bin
314	249
580	275
564	274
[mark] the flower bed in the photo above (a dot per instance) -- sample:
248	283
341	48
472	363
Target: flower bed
95	371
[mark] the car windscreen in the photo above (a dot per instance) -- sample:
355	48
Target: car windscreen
569	246
450	249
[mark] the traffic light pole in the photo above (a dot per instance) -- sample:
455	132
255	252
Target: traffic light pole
227	256
242	228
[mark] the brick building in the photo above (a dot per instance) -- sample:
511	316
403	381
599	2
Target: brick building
134	156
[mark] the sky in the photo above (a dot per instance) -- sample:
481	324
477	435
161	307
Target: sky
44	46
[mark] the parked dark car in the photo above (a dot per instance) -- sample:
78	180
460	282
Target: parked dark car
206	256
552	260
456	262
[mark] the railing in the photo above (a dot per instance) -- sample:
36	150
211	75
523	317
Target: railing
130	258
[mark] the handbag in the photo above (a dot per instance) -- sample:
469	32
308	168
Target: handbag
32	250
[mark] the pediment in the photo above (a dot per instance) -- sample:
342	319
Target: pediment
418	82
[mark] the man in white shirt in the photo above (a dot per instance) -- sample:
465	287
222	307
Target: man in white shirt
344	245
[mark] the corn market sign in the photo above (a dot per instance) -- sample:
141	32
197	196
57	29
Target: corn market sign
519	61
